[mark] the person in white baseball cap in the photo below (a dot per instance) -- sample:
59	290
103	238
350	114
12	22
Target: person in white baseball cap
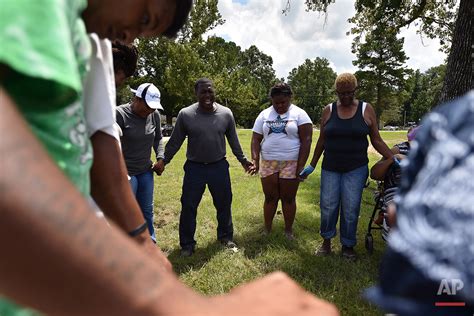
139	121
150	94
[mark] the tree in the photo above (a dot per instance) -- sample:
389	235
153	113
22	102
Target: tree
204	17
219	55
241	78
312	84
459	71
174	66
427	92
382	57
435	18
260	69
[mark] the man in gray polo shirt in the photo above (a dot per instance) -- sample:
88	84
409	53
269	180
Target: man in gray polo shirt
206	124
140	125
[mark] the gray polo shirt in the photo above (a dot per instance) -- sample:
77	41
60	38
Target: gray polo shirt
139	136
206	132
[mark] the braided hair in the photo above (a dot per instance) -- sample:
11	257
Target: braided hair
125	58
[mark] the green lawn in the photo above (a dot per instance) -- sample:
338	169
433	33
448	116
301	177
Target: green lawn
214	270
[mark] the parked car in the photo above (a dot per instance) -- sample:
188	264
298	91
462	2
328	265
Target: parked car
166	130
390	128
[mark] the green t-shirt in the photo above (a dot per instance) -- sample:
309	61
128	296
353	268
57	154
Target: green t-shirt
45	44
45	47
9	309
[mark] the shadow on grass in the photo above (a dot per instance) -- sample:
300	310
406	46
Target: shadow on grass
198	260
331	277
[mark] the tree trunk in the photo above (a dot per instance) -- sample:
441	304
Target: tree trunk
378	102
459	70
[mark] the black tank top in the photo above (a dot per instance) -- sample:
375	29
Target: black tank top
345	142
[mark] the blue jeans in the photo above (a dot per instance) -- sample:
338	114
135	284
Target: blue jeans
196	176
341	193
142	187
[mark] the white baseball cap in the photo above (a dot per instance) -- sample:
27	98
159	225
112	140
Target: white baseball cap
150	93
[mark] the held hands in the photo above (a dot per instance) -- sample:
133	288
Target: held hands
250	167
159	167
256	163
398	158
306	172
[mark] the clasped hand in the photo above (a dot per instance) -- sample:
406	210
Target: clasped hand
306	172
158	167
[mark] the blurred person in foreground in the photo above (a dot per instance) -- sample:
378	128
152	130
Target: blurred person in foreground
109	188
428	268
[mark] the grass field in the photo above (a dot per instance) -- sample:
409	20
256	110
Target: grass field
214	270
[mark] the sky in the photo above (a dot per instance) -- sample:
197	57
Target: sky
299	35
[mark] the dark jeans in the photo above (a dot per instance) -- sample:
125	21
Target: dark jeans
196	176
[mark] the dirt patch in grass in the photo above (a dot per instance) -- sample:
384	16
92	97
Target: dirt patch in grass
164	217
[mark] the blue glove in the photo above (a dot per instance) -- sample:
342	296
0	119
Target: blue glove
307	171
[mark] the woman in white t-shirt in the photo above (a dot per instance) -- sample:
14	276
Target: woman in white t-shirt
281	143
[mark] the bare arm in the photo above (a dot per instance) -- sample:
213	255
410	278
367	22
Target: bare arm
176	140
318	150
159	165
255	147
305	132
109	185
111	191
75	257
375	138
378	171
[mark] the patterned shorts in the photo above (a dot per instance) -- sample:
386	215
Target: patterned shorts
285	168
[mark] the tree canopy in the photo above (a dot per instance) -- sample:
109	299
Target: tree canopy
313	86
448	20
243	77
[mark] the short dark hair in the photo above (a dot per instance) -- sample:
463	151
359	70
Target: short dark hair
202	81
281	88
183	7
125	58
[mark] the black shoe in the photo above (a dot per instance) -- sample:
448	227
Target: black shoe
228	244
186	252
324	249
348	253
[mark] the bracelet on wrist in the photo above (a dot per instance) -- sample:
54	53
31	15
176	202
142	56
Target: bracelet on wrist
137	231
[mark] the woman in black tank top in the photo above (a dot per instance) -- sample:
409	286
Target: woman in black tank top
345	125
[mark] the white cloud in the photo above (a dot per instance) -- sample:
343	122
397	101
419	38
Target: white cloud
292	38
423	52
